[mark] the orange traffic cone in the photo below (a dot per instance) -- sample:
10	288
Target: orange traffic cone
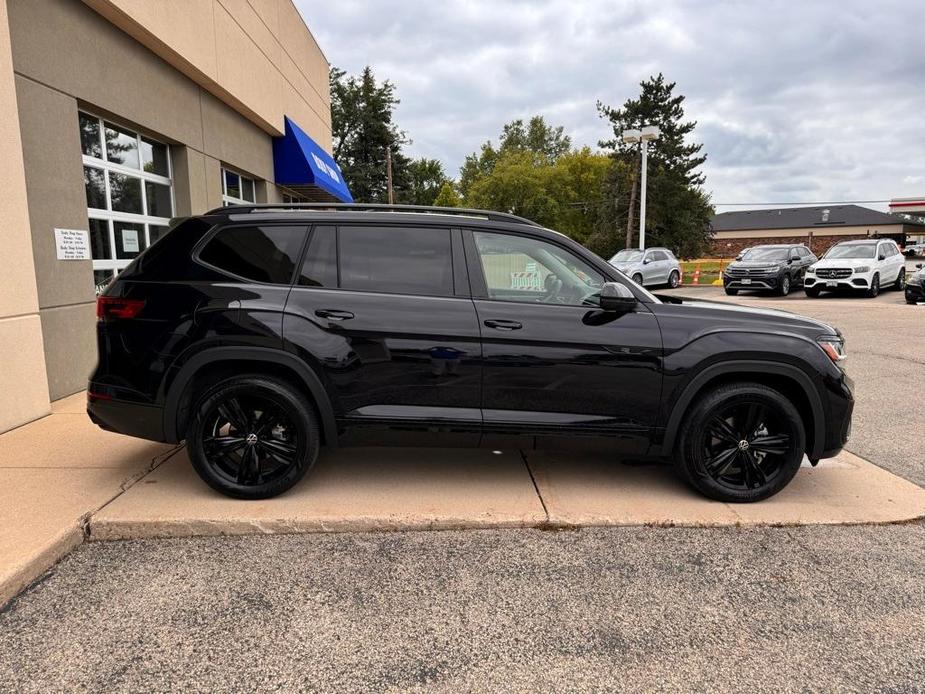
697	274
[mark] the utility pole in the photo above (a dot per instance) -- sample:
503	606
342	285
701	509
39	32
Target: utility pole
388	169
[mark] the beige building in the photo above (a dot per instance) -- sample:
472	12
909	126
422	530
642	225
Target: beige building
117	115
817	227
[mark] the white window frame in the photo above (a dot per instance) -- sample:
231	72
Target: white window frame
114	265
231	200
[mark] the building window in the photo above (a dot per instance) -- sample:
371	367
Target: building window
129	187
237	189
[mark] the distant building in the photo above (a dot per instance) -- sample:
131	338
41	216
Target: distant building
817	227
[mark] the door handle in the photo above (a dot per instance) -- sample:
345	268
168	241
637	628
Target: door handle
333	314
499	324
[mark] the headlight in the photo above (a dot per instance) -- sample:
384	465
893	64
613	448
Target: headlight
862	269
834	348
811	270
774	268
915	279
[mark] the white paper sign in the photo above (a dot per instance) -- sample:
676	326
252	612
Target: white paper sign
72	244
130	240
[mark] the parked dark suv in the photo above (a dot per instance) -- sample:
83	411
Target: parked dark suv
259	334
774	267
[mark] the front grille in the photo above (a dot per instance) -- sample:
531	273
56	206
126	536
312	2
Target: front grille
747	271
833	273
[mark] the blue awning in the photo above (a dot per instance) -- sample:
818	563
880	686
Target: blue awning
299	163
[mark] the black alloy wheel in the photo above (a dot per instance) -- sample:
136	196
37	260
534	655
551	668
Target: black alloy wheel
874	287
812	292
900	283
731	292
743	442
674	279
253	437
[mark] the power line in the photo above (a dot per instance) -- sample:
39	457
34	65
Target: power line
820	202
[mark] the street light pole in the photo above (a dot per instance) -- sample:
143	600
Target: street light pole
643	136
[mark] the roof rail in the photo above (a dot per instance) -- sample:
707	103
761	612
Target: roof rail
374	207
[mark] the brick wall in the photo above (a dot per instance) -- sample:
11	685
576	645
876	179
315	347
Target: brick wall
730	248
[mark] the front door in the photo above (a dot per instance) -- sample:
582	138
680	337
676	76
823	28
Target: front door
383	313
555	365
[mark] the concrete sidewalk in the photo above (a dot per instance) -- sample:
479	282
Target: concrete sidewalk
413	489
63	480
54	473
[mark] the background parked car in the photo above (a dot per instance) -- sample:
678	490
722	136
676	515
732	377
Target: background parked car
648	267
914	250
772	267
865	265
915	286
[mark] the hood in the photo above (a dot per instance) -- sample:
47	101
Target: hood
732	315
756	263
623	266
845	262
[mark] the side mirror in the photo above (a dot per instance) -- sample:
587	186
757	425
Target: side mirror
789	261
617	297
739	257
646	261
882	256
918	266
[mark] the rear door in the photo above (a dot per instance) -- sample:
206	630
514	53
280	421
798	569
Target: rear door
384	315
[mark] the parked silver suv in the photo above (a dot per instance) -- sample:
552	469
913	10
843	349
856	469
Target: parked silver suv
649	266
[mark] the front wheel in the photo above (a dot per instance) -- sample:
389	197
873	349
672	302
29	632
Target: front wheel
637	278
742	442
874	287
900	283
674	279
253	437
812	292
731	292
784	288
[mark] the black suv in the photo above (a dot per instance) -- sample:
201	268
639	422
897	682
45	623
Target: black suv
260	333
773	267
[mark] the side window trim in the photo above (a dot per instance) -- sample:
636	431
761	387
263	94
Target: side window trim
218	228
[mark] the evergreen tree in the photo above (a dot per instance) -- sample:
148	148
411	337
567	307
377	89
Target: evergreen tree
425	179
362	131
678	213
447	197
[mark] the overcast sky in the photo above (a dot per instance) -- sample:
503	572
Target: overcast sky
796	100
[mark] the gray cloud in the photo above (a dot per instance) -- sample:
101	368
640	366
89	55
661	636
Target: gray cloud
811	100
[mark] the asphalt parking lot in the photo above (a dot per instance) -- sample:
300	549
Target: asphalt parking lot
764	609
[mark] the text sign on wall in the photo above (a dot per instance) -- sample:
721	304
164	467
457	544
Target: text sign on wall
72	244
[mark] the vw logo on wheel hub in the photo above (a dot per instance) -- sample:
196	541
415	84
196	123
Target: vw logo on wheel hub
251	439
743	445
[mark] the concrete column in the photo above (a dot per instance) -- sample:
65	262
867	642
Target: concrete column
23	384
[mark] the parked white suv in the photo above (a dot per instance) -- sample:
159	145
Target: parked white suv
865	265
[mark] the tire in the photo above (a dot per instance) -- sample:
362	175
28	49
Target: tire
674	279
900	283
637	278
281	421
740	443
785	285
812	292
731	292
874	287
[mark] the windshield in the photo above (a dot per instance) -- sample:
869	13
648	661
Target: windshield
759	253
862	250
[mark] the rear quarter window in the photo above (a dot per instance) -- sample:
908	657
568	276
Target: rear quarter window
266	254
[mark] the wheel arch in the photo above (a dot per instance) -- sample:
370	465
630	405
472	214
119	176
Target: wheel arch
790	380
218	360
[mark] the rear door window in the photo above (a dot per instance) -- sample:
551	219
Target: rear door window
319	269
265	254
396	260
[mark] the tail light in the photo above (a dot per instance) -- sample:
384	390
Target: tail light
114	308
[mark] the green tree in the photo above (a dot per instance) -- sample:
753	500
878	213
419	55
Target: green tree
544	144
447	197
362	131
425	179
678	212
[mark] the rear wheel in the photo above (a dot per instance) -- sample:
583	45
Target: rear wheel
674	279
742	442
874	287
253	437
